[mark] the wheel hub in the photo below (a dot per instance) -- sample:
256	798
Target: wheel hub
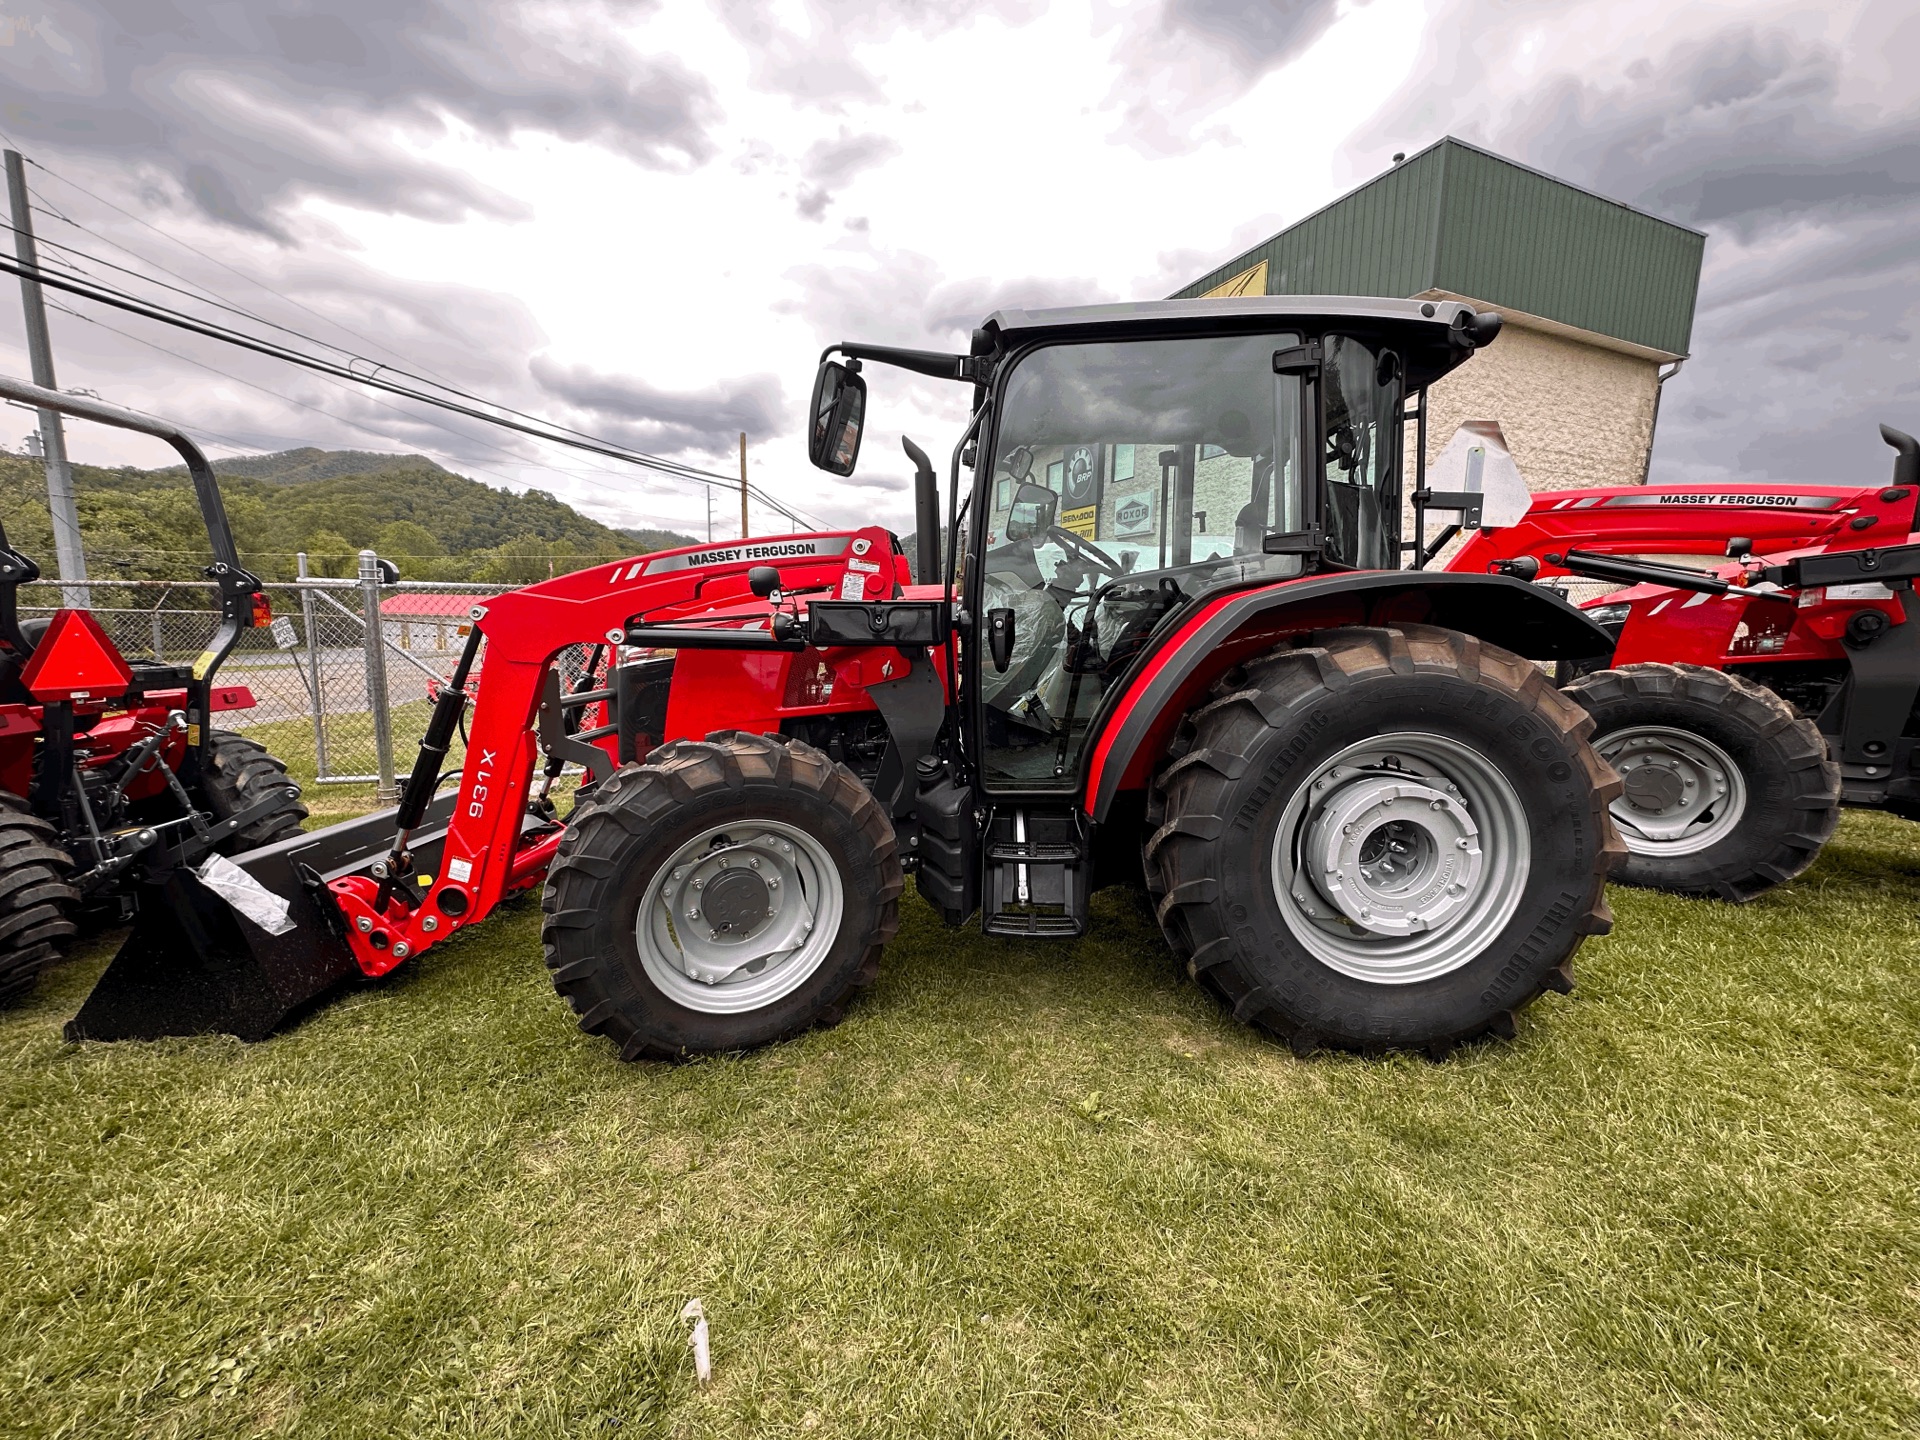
1681	791
733	904
1655	787
1395	855
1401	857
736	900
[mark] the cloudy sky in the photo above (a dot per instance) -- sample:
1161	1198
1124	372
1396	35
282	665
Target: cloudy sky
644	220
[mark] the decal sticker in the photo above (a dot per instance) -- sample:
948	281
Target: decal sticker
852	587
1740	499
749	550
204	664
460	870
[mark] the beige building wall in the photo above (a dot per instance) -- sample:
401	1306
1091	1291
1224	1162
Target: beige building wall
1575	413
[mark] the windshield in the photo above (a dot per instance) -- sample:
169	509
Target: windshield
1126	476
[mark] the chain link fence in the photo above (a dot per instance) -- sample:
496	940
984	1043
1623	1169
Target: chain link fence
339	680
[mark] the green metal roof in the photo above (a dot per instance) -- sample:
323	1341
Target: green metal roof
1458	219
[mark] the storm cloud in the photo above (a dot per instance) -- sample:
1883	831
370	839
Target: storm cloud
247	108
653	419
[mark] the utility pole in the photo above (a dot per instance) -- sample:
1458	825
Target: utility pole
709	514
743	484
67	554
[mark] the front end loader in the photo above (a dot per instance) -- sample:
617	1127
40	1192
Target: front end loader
1166	639
1746	701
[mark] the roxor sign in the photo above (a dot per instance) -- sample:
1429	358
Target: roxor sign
1134	517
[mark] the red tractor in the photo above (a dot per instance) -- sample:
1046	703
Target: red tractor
111	771
1170	642
1742	705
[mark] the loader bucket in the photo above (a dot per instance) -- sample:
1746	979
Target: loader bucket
194	966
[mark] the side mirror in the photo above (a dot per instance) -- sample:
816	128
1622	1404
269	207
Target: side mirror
837	416
763	580
1019	463
1032	512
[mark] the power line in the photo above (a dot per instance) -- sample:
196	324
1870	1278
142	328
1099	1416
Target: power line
103	294
301	404
675	467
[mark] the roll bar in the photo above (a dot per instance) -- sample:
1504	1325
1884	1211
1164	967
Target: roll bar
205	489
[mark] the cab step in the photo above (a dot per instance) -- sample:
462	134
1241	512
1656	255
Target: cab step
1037	865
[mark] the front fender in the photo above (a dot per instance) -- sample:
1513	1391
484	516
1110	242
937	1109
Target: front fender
1173	675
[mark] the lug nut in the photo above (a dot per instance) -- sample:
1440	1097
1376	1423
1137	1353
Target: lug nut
773	882
693	912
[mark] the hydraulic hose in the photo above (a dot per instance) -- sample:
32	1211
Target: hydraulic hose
425	779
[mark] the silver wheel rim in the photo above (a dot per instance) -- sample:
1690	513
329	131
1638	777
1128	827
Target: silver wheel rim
1683	792
740	917
1401	858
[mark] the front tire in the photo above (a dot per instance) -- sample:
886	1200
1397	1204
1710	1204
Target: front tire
1728	792
729	893
1383	839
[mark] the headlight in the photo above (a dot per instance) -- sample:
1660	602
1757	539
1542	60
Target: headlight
1610	617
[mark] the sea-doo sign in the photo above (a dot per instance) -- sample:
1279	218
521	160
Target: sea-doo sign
1745	499
756	552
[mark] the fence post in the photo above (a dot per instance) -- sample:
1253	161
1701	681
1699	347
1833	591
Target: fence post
316	693
374	636
159	636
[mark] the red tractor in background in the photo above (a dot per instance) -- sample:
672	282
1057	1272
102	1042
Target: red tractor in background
111	770
1171	642
1742	705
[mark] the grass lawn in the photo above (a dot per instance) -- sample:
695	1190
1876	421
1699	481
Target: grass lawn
1022	1190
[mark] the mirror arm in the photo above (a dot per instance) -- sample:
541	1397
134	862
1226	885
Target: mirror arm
921	362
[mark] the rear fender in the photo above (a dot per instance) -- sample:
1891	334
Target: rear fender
1175	676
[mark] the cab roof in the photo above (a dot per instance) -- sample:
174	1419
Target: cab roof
1438	314
1432	336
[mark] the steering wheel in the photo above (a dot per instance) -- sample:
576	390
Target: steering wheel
1085	551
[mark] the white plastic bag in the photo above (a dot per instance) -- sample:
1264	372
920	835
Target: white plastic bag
245	894
702	1361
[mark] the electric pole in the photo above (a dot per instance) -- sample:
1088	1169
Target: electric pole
67	554
743	484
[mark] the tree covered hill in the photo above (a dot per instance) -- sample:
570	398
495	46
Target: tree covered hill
435	525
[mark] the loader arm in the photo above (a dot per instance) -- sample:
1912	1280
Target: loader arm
489	851
1669	520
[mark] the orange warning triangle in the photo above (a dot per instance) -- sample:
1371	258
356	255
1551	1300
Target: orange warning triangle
75	660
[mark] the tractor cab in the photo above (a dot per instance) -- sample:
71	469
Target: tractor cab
1130	460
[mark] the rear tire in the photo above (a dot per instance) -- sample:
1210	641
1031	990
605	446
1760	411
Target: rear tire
36	900
1386	838
787	864
240	772
1680	732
